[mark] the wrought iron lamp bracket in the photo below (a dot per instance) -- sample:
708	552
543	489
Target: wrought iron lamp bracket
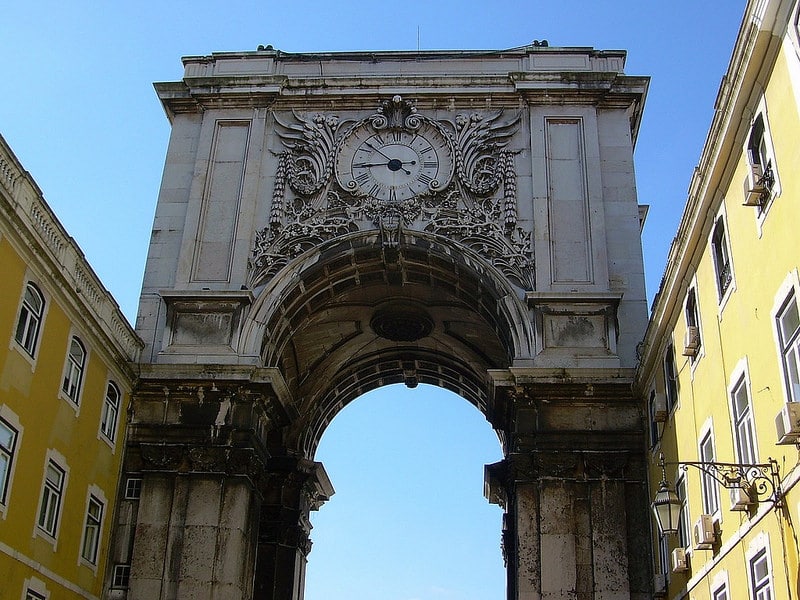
760	481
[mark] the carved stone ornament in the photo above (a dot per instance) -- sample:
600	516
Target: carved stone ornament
395	170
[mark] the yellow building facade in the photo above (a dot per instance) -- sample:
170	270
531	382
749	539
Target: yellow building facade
65	382
720	360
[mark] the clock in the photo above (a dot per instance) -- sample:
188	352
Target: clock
394	164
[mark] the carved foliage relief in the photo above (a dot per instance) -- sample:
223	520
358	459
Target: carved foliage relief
395	170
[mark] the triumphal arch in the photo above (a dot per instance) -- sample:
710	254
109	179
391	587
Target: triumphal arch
331	223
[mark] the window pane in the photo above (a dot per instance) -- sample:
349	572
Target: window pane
789	321
108	421
91	534
30	316
33	299
6	437
73	371
789	333
743	423
709	484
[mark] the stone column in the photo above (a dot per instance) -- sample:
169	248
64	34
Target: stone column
293	488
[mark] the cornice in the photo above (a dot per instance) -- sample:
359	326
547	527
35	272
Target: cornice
756	48
533	74
44	243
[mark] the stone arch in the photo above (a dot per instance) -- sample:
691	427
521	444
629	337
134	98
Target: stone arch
296	261
355	314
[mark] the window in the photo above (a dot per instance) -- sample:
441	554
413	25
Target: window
684	530
133	488
30	319
708	483
31	595
73	371
663	554
762	176
654	420
692	342
670	378
108	420
8	442
91	530
788	322
52	492
121	576
760	579
722	262
721	593
743	423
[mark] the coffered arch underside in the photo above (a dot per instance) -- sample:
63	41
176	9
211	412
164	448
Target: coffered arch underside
354	315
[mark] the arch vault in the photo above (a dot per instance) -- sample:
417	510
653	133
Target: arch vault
462	219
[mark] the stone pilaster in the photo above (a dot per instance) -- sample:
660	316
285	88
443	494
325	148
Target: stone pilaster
293	488
573	489
199	446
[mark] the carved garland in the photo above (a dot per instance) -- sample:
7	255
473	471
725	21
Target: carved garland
468	210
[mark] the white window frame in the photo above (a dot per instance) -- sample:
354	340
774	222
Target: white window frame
684	535
790	287
663	554
133	488
109	415
769	157
58	462
692	318
720	586
92	527
762	588
720	592
74	372
34	589
721	258
709	487
16	346
655	426
121	575
789	348
743	423
28	327
670	360
9	420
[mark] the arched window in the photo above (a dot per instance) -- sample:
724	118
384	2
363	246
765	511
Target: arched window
73	371
30	319
108	420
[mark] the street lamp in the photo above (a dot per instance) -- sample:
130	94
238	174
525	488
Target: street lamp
754	479
666	504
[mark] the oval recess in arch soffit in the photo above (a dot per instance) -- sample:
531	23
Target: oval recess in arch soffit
362	317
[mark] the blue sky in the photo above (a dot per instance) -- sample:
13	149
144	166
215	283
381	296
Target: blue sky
78	108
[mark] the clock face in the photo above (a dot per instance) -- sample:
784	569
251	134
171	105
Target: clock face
394	164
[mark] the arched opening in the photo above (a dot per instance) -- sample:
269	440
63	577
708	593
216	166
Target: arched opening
409	519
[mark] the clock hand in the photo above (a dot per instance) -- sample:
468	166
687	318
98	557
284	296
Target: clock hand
404	162
378	150
393	164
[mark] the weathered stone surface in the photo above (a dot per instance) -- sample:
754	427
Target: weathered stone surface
467	220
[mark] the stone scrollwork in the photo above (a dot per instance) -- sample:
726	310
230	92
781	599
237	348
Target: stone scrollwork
476	207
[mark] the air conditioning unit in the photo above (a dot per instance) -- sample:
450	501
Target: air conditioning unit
691	342
680	562
740	498
659	408
787	423
659	585
704	536
754	187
